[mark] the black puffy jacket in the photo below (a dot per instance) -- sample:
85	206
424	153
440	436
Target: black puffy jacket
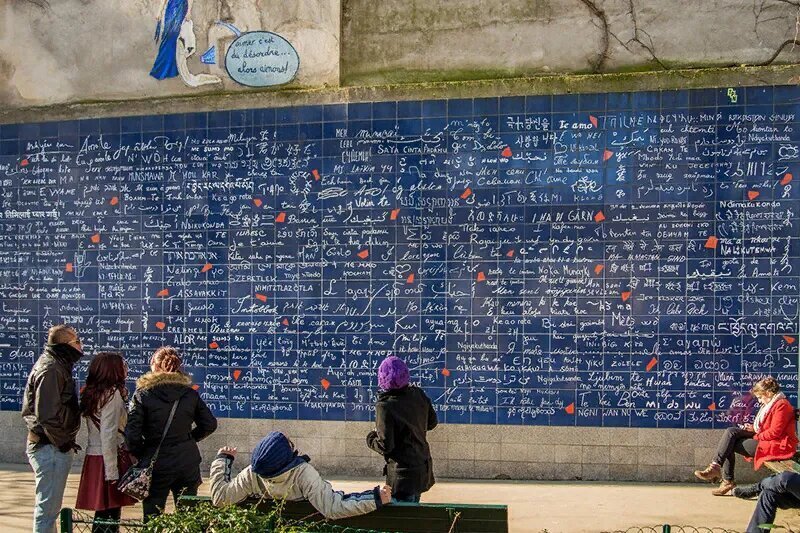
148	414
50	405
402	419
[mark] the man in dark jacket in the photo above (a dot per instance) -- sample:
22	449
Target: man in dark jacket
177	467
50	410
403	416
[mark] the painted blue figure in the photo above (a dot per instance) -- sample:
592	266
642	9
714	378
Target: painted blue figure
168	27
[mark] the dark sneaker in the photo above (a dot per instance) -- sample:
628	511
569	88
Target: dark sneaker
747	491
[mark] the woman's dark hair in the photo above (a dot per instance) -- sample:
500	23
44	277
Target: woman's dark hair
166	359
106	374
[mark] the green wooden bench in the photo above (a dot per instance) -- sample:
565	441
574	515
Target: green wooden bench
787	465
397	517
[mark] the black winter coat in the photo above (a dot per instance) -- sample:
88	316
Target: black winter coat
402	419
148	414
50	405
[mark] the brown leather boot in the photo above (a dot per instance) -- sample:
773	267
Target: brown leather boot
724	488
712	473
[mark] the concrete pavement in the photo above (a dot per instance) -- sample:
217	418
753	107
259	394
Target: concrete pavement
534	506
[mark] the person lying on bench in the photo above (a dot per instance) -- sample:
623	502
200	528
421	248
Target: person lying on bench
774	492
278	472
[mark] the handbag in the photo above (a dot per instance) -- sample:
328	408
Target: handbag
136	481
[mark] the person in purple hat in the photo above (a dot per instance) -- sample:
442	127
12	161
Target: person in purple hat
403	416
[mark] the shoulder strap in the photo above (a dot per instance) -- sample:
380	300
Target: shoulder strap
166	430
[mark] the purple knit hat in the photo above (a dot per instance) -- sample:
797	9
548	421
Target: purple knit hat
392	374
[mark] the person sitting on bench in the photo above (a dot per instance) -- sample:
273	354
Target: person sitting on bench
770	437
781	491
278	472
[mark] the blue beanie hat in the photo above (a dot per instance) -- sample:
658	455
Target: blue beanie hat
392	374
274	455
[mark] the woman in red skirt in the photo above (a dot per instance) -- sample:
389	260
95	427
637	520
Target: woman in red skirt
103	406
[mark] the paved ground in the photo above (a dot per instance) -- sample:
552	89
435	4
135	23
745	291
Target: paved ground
534	506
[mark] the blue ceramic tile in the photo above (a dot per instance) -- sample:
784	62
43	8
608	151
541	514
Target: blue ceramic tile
410	127
48	129
513	105
566	103
674	99
197	121
384	110
152	123
334	112
29	130
538	104
650	100
174	122
219	119
237	117
703	98
89	126
486	106
110	125
434	108
592	102
786	94
287	132
359	111
310	131
459	108
310	113
758	95
409	109
9	148
9	131
264	117
286	115
127	125
619	101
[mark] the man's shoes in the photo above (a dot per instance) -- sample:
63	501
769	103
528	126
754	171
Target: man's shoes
747	491
724	488
712	473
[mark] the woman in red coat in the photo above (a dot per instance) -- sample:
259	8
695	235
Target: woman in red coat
771	437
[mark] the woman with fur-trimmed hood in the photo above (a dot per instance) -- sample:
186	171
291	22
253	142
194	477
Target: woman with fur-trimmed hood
177	467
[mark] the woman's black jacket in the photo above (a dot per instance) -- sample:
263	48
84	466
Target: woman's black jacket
148	415
402	419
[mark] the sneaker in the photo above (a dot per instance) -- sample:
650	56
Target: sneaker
748	491
724	488
712	473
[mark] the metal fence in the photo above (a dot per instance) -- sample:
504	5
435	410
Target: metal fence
669	528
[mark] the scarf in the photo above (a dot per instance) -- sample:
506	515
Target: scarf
762	412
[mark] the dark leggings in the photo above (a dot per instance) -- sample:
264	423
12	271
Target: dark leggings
112	514
162	485
734	440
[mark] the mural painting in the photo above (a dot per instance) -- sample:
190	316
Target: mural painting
272	59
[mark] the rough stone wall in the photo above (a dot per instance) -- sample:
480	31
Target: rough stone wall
67	51
466	452
419	40
63	51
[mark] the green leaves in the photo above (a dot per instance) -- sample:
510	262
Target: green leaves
228	519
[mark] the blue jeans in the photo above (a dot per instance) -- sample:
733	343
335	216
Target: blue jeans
51	468
781	491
